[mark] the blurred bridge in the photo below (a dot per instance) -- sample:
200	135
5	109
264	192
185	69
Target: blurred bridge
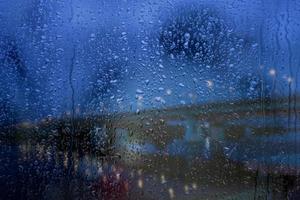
257	133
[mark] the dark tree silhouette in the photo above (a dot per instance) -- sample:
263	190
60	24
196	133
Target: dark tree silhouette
18	88
13	74
200	35
12	57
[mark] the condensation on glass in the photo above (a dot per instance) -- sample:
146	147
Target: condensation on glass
127	99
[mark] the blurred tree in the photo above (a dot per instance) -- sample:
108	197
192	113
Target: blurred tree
200	35
13	74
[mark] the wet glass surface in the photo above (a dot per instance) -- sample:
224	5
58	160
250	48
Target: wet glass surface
37	172
149	99
188	165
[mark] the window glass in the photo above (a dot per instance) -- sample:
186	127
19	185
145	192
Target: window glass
127	99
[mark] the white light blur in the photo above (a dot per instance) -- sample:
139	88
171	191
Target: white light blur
186	189
171	193
140	183
169	91
194	186
163	179
272	72
209	83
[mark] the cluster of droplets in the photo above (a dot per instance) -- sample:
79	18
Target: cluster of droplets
201	36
